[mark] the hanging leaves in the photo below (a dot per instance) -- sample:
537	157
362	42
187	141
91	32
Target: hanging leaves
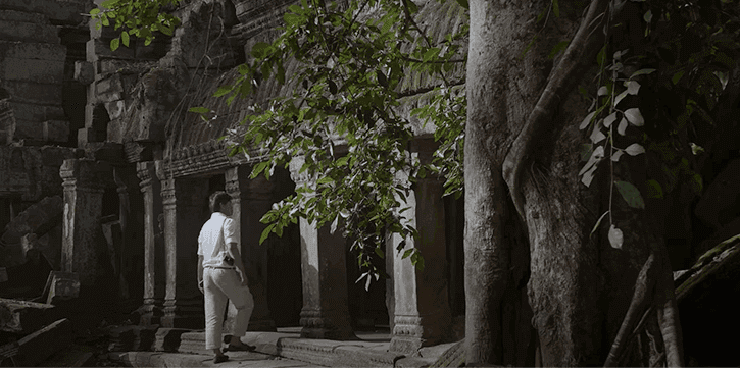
616	237
622	129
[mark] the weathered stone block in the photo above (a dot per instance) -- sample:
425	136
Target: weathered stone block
24	50
85	136
36	112
28	130
109	89
34	93
168	339
38	346
62	286
100	48
38	218
66	11
11	30
84	72
115	108
32	70
56	130
23	317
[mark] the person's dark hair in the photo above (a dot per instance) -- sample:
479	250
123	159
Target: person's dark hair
217	199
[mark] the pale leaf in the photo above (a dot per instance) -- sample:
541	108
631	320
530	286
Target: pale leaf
602	91
622	129
619	98
617	155
616	237
587	120
609	119
597	136
634	116
635	149
642	71
588	176
596	156
633	87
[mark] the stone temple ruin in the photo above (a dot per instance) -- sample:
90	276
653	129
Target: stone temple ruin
104	180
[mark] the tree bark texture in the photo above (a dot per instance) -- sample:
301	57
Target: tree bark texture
580	289
502	83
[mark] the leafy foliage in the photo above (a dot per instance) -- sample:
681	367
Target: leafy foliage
687	52
135	18
343	121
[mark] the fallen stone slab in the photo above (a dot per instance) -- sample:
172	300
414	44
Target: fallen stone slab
38	218
22	317
40	345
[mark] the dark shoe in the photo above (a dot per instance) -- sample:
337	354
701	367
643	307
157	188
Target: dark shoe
220	359
244	347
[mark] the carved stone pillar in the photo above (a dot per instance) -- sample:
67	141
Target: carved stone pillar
422	311
251	198
154	263
82	237
184	201
325	313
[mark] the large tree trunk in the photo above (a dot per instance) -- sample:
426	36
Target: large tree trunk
587	298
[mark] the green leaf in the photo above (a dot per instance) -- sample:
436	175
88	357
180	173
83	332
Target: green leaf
94	11
292	19
431	53
199	110
379	252
677	77
114	44
653	189
125	38
223	90
258	50
557	48
630	194
407	253
266	232
463	3
598	222
555	8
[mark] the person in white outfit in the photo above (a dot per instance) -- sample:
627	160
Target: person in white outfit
221	277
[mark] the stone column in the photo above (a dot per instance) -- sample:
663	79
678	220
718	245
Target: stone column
422	312
154	264
131	220
325	313
184	201
251	198
82	237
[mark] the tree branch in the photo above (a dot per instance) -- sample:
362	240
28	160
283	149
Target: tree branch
584	46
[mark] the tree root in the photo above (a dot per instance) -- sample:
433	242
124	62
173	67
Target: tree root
643	288
584	46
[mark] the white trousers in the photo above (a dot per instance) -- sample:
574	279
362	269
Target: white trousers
219	286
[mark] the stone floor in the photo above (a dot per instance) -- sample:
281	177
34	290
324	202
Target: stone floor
285	348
